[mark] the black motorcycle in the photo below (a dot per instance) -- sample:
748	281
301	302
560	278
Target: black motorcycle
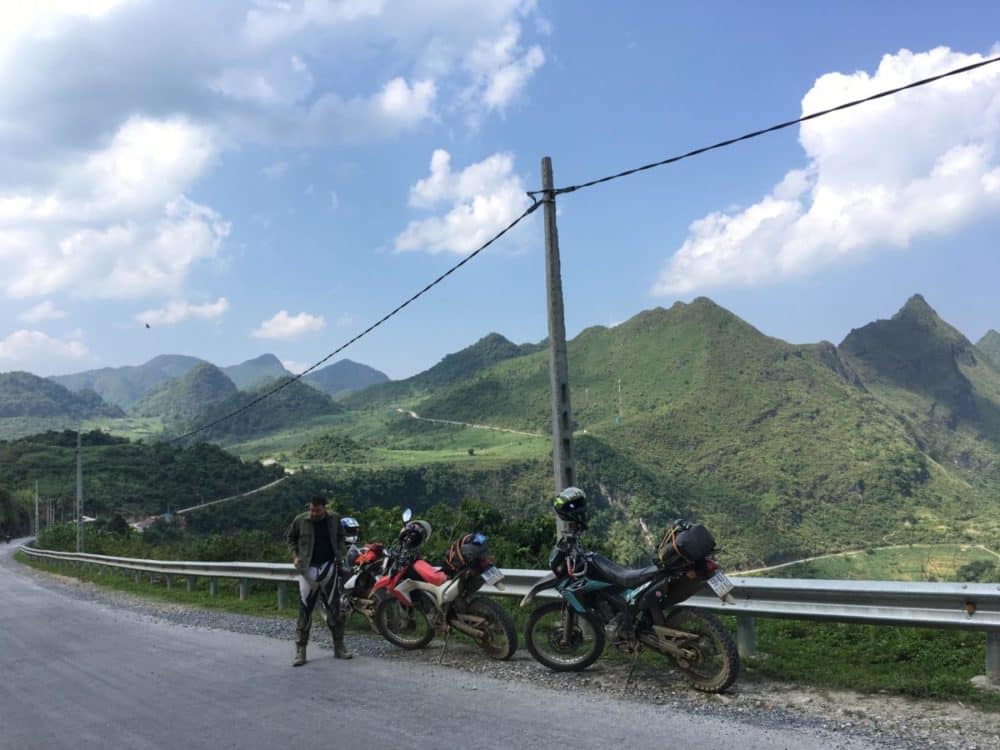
635	609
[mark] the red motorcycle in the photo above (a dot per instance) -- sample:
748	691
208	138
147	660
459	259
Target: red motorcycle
416	601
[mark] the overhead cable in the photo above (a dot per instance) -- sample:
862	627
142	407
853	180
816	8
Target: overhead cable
285	383
534	194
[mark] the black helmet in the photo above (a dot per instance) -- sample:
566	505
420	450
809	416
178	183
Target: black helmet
416	532
571	506
351	528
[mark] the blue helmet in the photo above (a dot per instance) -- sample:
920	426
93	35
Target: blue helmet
351	528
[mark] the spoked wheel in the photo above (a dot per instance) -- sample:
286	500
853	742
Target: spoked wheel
406	627
563	639
711	661
500	637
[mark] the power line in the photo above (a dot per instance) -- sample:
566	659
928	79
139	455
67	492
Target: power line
285	383
781	126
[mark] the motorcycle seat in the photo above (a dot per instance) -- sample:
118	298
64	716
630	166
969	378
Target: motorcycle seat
429	573
602	569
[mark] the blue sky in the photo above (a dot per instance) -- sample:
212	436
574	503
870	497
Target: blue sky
253	177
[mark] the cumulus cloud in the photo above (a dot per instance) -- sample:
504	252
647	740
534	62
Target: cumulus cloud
43	311
501	68
878	176
484	197
285	326
40	353
97	166
179	311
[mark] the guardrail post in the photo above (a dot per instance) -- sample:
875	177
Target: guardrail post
213	586
746	636
993	656
170	581
244	589
282	594
190	582
138	577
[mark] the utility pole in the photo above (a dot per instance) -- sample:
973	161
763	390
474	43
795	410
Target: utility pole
562	418
79	493
36	507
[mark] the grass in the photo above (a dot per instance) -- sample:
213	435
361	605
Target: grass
133	428
917	562
916	662
920	663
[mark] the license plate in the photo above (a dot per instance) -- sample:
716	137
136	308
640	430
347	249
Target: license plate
721	584
491	575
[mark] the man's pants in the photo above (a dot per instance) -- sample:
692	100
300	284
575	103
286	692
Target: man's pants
317	583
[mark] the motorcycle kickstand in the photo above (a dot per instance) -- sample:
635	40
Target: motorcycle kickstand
631	669
447	633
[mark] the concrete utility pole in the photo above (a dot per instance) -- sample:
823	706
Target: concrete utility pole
36	507
562	416
79	493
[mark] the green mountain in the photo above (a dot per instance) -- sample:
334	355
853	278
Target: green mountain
783	448
250	374
929	374
185	398
295	405
25	395
454	368
990	346
124	386
345	376
125	477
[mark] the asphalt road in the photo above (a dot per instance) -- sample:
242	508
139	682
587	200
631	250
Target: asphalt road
77	674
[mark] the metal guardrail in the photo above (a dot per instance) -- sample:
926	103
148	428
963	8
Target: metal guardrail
969	606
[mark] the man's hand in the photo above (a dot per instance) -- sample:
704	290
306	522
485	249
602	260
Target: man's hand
295	561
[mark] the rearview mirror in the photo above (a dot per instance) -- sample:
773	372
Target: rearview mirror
407	515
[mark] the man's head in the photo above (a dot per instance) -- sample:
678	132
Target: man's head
317	507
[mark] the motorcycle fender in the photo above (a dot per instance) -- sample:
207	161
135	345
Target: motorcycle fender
549	582
349	583
385	584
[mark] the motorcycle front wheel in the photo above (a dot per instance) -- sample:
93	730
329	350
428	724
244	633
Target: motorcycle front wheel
563	639
499	639
406	627
711	661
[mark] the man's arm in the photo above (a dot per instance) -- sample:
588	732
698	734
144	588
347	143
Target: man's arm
293	542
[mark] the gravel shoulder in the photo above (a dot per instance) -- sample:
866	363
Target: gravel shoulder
880	720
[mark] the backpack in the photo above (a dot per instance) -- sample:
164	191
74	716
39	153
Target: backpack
684	543
463	552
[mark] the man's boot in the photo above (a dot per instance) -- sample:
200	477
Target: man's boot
300	655
339	649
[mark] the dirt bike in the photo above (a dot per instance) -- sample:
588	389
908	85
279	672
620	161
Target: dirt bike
365	566
417	601
635	609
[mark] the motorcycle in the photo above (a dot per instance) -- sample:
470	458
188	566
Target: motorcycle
365	566
417	601
635	609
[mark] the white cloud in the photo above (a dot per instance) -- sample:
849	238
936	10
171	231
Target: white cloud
276	170
334	200
43	311
97	165
878	176
179	311
484	197
40	353
285	326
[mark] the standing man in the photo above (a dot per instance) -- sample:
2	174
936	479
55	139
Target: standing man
315	543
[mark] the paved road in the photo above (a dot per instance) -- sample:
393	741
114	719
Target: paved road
76	674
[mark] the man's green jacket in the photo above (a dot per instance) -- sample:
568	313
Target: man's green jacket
300	538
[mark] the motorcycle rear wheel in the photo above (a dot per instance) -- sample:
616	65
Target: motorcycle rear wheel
545	635
714	661
500	641
406	627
